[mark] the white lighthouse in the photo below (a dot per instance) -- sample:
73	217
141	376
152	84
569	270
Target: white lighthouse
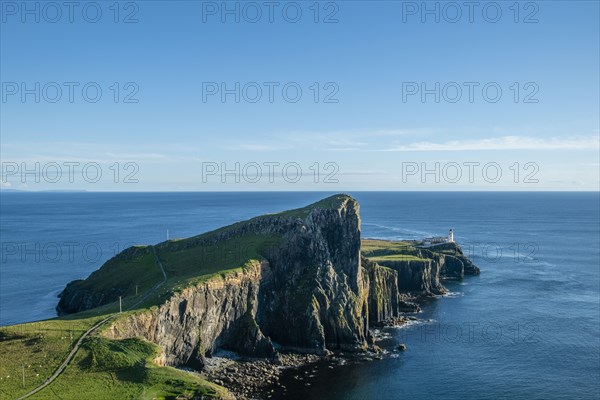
451	236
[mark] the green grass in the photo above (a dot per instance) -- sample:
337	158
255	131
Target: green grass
42	346
396	257
39	346
186	261
381	251
189	261
187	266
102	368
126	274
124	369
333	202
122	276
385	250
209	258
381	247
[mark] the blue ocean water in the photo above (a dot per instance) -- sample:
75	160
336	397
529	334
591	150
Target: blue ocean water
527	327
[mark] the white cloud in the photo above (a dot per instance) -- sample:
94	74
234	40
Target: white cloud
256	147
505	143
372	141
326	140
136	156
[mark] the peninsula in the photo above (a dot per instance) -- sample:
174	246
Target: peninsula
275	291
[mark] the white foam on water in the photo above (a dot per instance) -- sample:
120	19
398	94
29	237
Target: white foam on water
453	294
414	322
401	230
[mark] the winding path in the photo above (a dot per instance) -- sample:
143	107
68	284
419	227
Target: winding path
79	342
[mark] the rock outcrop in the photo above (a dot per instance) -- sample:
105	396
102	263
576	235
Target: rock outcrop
317	296
423	270
418	277
402	273
384	295
456	264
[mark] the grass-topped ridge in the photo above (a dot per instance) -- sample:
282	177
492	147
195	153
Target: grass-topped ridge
332	202
134	272
131	277
380	251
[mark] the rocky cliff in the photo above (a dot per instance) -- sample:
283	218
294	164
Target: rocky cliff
418	276
384	295
307	293
402	273
217	313
307	290
317	296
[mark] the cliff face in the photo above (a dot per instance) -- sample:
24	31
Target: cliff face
384	294
317	297
418	276
73	299
195	322
423	276
456	264
309	293
401	273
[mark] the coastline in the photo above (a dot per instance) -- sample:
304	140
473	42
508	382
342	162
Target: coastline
302	290
260	378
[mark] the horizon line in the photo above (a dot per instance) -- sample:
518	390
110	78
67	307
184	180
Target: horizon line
64	191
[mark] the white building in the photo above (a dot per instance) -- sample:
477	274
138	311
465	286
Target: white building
432	241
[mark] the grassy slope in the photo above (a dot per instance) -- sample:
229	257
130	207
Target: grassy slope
195	264
184	267
40	347
383	250
125	274
123	369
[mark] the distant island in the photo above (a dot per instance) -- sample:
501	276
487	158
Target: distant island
218	315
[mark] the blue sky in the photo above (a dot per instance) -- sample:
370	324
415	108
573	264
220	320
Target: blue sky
367	130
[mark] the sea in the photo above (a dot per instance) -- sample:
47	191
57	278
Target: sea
528	327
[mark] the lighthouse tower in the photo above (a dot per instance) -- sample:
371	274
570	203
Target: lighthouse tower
451	236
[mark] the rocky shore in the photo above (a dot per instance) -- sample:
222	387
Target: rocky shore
254	379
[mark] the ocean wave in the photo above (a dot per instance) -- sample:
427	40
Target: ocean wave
405	231
415	322
453	294
380	334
